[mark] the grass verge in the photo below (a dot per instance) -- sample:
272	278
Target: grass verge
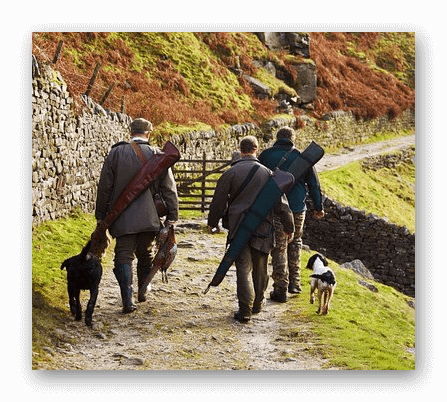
385	192
364	330
52	243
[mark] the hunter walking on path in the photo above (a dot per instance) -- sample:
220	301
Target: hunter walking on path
235	192
136	228
286	257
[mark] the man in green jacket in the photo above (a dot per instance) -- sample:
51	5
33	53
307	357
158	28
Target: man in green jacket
286	257
235	195
136	228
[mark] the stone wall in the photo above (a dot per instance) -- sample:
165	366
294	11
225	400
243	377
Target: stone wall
338	129
346	234
215	145
68	150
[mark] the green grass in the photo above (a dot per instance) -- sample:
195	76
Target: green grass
195	62
363	330
386	193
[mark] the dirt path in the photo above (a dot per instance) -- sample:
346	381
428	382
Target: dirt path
351	154
179	327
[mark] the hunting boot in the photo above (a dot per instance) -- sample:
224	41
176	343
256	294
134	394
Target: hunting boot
143	284
123	274
279	294
244	313
295	276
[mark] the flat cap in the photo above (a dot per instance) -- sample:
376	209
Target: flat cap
140	126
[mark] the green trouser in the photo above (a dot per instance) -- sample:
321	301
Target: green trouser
252	279
286	258
139	245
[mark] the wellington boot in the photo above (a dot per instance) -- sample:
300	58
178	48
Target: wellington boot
123	274
143	282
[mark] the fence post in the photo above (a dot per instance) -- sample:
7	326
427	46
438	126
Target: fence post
123	104
203	182
58	51
107	93
92	80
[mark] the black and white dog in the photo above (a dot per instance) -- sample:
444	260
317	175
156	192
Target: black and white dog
84	272
323	279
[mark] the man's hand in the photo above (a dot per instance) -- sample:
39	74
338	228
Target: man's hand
289	237
318	214
214	230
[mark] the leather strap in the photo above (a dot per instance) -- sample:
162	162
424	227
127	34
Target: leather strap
139	152
245	182
284	158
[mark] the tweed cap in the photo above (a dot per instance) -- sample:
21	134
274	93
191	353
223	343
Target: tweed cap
141	126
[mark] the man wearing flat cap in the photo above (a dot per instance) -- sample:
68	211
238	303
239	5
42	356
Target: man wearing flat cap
138	225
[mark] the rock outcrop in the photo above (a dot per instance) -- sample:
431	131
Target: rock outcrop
303	78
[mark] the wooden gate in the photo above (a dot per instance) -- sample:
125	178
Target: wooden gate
196	181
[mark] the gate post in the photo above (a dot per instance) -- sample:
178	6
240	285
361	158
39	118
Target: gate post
203	182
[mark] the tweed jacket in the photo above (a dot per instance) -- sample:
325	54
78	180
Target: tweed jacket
228	184
119	168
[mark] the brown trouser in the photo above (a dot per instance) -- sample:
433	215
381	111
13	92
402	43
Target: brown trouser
252	278
286	258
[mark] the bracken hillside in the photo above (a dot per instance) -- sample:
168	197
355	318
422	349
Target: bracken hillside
188	80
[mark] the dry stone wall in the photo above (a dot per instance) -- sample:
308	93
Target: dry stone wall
69	145
68	150
346	234
338	128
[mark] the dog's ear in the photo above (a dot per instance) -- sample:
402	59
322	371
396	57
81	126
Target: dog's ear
311	261
64	264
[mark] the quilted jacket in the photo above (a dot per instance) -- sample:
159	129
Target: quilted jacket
119	168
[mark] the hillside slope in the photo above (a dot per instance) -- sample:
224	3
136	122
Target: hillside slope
192	79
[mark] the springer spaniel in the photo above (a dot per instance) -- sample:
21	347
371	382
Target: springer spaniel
323	279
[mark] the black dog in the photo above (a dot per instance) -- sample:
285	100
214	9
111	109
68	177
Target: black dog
84	272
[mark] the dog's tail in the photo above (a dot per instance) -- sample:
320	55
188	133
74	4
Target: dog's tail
83	255
327	277
86	250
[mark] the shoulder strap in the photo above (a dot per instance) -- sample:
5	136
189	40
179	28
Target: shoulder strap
284	158
155	186
245	182
139	152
